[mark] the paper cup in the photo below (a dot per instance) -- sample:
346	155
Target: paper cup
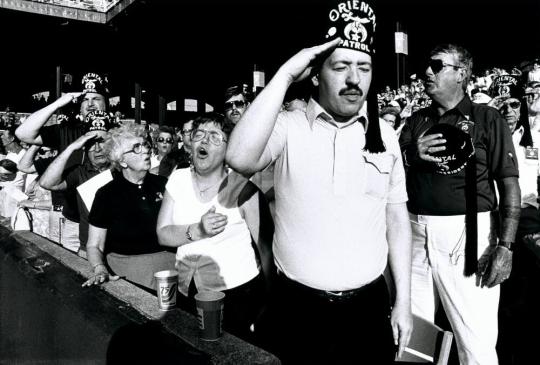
210	314
166	286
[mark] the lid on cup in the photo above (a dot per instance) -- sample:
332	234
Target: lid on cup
165	274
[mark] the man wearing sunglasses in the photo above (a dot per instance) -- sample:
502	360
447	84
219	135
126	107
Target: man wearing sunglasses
236	102
179	158
457	256
340	207
59	178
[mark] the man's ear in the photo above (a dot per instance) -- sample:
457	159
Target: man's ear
315	80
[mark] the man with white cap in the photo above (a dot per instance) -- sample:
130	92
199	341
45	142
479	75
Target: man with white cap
340	208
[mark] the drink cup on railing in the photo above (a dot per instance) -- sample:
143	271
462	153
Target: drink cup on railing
166	286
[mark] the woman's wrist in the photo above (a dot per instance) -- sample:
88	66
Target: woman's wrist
99	267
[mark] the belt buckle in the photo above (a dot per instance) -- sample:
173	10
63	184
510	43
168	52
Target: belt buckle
335	296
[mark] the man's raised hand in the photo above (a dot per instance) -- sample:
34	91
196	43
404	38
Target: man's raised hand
299	66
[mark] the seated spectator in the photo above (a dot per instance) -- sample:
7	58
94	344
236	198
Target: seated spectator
391	116
236	101
178	158
534	74
216	217
39	199
122	238
9	184
164	145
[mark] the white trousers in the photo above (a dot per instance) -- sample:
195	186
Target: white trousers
437	272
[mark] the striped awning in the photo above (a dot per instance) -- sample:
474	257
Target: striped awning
96	11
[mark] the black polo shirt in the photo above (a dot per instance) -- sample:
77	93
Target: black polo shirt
59	136
435	194
129	213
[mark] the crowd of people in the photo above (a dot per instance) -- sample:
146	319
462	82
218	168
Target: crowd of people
328	222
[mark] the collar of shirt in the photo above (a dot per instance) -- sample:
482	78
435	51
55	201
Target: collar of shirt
464	107
314	110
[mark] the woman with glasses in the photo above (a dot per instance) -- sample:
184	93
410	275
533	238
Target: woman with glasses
180	157
164	143
122	235
216	218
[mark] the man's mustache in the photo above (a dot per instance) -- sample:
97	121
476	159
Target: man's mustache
352	90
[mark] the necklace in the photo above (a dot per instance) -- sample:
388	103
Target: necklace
204	191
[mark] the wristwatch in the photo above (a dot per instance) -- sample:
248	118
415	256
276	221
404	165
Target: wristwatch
188	234
506	244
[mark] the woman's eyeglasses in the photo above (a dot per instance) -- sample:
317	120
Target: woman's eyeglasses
138	147
165	140
236	103
437	65
216	138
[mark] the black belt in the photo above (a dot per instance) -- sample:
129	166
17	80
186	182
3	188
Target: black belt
328	295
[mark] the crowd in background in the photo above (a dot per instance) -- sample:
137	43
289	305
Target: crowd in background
80	183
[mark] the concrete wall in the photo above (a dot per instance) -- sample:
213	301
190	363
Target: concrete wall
47	317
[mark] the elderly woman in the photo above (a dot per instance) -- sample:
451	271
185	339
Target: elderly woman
122	234
165	142
216	218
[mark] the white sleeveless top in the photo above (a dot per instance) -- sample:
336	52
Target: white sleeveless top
221	262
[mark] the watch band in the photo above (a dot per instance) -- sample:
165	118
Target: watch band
506	244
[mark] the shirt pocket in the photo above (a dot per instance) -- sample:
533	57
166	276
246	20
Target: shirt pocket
378	169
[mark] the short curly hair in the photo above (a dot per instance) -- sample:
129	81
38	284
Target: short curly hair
116	144
218	119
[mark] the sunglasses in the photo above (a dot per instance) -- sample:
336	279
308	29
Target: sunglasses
513	104
437	65
165	140
236	103
94	142
138	147
216	138
42	152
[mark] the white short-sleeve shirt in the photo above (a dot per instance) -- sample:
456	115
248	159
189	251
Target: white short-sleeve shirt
331	199
221	262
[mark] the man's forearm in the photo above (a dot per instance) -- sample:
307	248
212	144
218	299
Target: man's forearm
52	177
29	130
398	235
251	134
510	207
26	163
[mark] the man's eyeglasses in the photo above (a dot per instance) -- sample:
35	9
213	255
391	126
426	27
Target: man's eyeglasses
138	147
165	140
437	65
236	103
216	138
